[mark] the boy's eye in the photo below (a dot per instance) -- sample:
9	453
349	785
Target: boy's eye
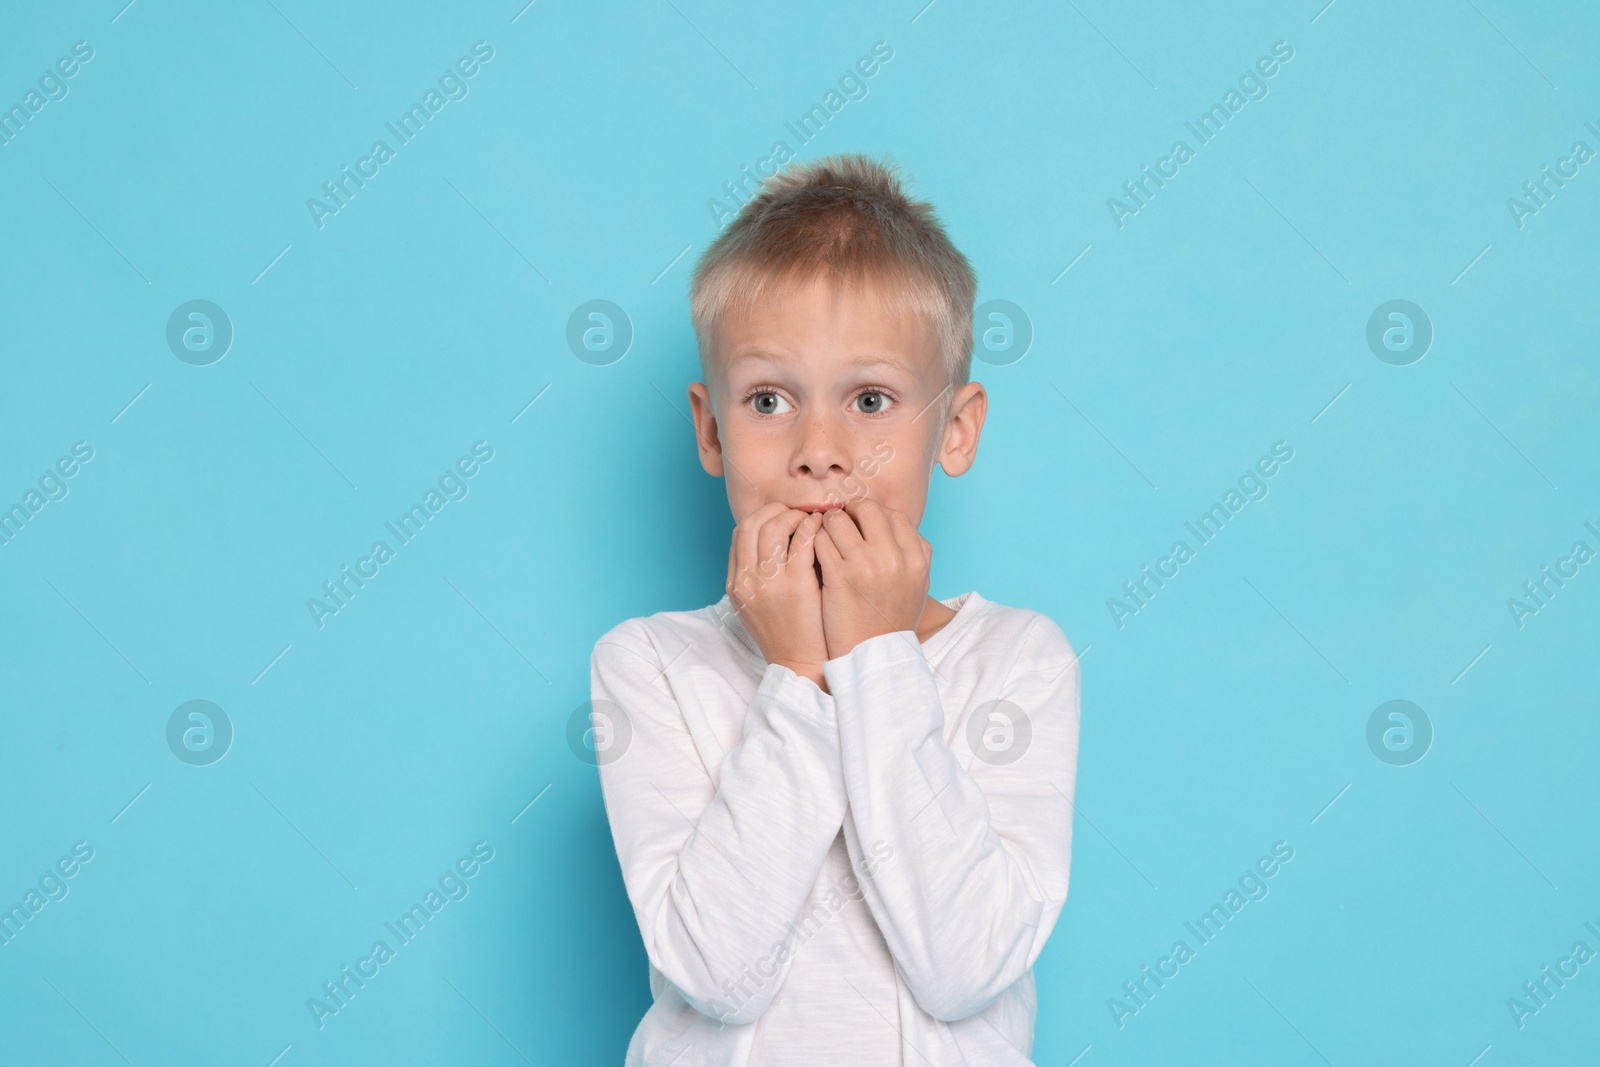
870	402
874	401
766	402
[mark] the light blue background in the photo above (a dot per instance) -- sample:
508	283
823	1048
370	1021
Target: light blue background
369	354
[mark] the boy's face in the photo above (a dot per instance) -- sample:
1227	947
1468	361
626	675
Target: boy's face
822	397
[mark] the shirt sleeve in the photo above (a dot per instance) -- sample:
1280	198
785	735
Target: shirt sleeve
717	871
980	853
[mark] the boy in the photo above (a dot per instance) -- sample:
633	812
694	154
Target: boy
843	808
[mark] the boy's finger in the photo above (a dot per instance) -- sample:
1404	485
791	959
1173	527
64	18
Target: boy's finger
844	533
826	549
776	531
747	531
808	527
905	534
803	548
760	515
872	518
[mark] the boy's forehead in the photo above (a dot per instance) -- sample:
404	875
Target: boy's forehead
890	333
757	353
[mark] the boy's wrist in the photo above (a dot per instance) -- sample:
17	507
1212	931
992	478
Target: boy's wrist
812	671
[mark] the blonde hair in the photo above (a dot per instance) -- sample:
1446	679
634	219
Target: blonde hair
844	217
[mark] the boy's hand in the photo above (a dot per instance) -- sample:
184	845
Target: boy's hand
874	573
772	583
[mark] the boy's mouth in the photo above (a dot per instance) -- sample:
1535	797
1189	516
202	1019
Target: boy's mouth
817	507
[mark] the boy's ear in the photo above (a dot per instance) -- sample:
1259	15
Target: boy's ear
705	429
959	449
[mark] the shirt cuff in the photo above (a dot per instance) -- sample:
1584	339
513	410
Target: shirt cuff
888	668
782	686
898	646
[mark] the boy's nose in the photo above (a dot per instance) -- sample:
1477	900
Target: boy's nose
822	449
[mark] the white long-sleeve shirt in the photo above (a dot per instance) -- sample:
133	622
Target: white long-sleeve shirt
864	876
